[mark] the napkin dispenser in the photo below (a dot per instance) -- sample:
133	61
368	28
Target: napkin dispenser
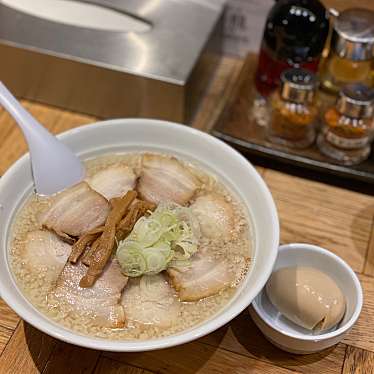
80	55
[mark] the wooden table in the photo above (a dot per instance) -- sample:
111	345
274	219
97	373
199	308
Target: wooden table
312	212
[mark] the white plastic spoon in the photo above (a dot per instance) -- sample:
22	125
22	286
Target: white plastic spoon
54	166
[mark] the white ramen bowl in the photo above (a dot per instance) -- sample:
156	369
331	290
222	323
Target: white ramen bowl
290	337
129	135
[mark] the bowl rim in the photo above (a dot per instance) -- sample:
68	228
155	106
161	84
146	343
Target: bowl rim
48	326
332	334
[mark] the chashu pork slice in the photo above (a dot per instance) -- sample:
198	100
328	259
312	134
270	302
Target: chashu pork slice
100	303
166	179
204	276
113	181
215	215
44	252
150	300
75	211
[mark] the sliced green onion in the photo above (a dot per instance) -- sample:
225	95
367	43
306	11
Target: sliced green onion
155	261
179	263
147	231
168	236
131	259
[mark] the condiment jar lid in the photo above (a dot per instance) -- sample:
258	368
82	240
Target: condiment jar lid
353	35
298	85
356	100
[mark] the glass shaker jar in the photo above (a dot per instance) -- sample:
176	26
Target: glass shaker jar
351	50
348	126
293	111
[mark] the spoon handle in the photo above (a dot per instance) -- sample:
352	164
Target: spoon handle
28	124
54	166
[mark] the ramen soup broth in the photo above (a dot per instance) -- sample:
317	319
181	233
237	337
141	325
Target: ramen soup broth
153	305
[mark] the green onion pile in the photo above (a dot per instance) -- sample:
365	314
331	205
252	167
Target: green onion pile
168	237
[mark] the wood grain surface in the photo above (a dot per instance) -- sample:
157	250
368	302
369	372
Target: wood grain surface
314	212
358	361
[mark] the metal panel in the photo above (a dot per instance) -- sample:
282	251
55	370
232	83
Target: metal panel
110	73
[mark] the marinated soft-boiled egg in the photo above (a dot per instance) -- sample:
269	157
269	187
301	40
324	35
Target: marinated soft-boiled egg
307	296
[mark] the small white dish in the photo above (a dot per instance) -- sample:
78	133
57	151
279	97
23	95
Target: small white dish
290	337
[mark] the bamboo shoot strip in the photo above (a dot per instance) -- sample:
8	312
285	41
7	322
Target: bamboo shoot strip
103	252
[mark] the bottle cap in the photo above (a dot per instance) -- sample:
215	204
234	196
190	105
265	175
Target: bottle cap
356	100
353	35
298	85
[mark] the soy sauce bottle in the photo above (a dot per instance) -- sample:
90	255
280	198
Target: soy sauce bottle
294	36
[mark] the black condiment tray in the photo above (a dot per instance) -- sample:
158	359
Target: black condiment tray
237	127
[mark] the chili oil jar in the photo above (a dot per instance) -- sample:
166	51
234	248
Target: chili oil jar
293	111
348	126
